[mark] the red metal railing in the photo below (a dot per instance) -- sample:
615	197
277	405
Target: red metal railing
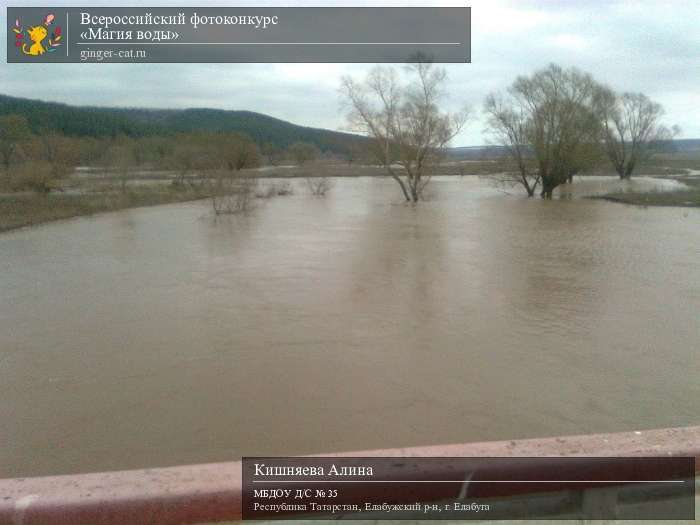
212	492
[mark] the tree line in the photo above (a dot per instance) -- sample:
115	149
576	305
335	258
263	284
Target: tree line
553	124
559	122
38	161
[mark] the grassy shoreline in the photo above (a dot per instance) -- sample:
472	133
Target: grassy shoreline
29	209
18	211
102	194
686	198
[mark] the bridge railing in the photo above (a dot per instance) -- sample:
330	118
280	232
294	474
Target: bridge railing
213	492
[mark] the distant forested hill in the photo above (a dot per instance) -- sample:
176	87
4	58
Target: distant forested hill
135	122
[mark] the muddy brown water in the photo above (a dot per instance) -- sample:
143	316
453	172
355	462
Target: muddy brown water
160	336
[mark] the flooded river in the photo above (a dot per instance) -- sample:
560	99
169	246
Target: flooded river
160	336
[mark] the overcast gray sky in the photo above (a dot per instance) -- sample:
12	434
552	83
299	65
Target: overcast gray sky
653	47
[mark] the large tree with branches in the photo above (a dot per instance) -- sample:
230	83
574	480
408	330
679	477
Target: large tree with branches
549	123
631	129
408	130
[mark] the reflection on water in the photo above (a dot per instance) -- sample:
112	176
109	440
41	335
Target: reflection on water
160	336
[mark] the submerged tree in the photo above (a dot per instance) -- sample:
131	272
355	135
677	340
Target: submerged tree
303	153
318	186
408	131
235	188
552	117
631	129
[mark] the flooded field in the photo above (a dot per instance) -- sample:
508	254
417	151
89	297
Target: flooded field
160	336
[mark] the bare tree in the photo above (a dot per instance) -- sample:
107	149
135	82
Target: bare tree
14	130
238	152
120	158
551	115
235	189
183	160
303	152
34	175
60	152
156	149
272	153
91	150
407	129
193	155
631	129
47	158
510	127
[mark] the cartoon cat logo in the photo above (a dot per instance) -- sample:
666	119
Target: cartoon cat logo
37	35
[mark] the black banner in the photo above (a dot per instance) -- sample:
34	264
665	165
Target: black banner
39	35
657	488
